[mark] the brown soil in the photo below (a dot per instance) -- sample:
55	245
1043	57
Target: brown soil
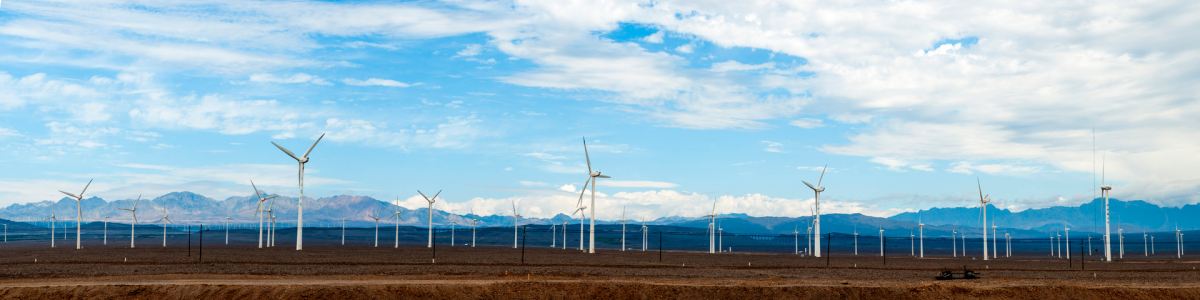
326	270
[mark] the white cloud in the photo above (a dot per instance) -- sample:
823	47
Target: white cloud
689	48
8	132
807	123
655	38
637	184
544	156
470	50
737	66
295	78
773	146
1006	169
533	183
376	82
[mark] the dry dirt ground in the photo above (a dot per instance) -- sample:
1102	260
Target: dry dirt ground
324	269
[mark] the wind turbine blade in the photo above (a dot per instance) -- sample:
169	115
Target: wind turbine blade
70	194
423	195
85	188
586	156
582	191
980	185
603	176
135	202
272	198
809	185
289	153
822	175
256	193
435	196
314	145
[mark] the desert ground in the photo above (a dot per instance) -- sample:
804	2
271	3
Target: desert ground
30	269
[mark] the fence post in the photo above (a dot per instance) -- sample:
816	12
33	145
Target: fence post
523	230
201	242
189	230
660	246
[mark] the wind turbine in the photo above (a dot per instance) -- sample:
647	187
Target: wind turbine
553	233
133	226
564	228
592	176
855	239
817	212
912	245
954	241
79	220
881	241
398	218
720	238
227	229
105	230
645	231
343	231
430	210
516	219
996	254
376	227
1067	241
1008	245
983	201
55	218
1121	241
581	213
921	225
712	229
1104	190
164	224
452	224
258	210
1145	244
300	207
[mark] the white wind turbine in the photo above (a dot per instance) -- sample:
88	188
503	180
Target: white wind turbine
1067	241
645	231
1104	188
79	219
452	224
855	239
376	217
1008	245
983	201
954	241
133	226
912	244
921	230
258	210
592	176
227	229
343	231
581	211
55	218
271	230
817	212
105	230
996	254
553	233
880	241
165	219
430	210
474	220
720	238
300	207
516	219
398	218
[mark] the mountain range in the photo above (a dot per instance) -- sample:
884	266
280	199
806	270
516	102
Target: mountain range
188	207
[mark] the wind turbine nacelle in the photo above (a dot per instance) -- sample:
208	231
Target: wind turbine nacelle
1106	187
595	173
820	189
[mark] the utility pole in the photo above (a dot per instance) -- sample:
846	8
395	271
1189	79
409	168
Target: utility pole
523	230
660	246
201	242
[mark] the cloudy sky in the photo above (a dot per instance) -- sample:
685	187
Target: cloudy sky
683	103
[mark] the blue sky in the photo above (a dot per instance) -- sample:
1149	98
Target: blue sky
682	103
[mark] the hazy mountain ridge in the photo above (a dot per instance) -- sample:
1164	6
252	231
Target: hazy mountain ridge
1133	216
191	208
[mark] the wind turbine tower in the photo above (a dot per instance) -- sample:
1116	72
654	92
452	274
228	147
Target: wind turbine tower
921	231
430	210
398	218
133	226
592	177
983	201
817	207
300	207
164	224
79	219
258	210
1104	190
516	219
